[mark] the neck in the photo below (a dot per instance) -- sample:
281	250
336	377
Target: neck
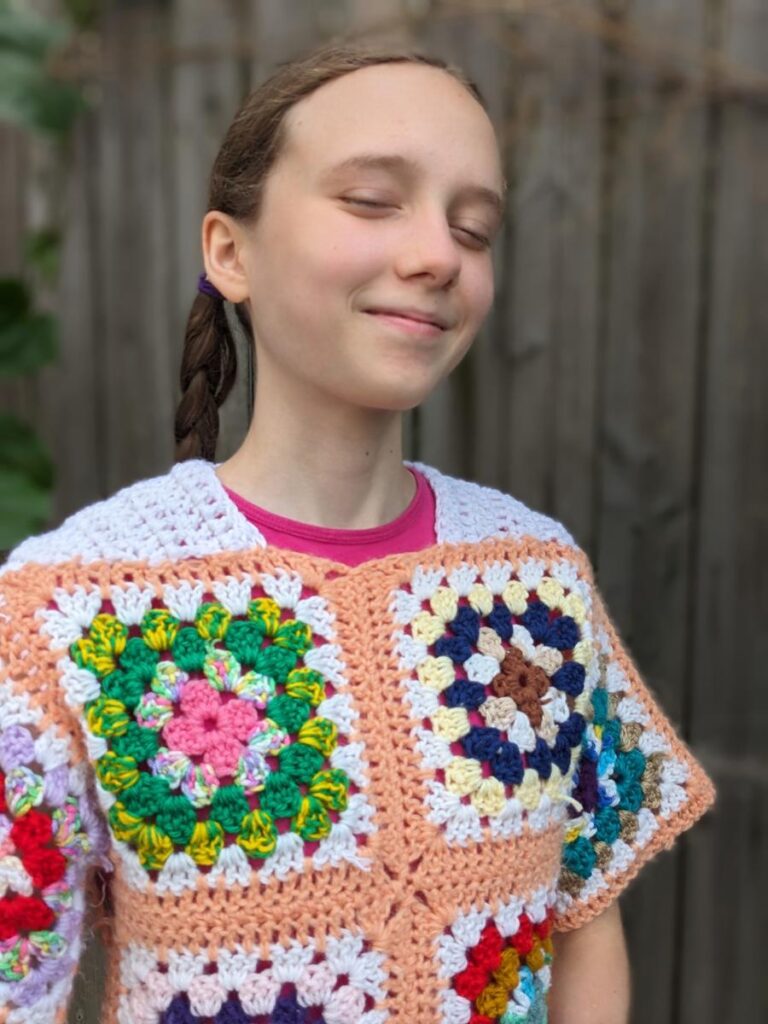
338	466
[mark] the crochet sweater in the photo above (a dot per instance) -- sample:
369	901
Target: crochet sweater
325	793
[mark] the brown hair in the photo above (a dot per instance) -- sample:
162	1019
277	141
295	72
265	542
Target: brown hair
249	150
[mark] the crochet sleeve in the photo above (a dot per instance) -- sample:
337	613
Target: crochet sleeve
51	831
636	786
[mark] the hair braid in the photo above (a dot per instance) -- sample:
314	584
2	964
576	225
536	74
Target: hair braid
208	371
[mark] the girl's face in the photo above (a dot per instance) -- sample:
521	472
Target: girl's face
384	201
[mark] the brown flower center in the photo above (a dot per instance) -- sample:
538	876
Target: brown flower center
526	684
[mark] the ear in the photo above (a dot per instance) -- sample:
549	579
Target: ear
224	255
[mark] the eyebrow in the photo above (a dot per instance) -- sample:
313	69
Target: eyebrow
398	163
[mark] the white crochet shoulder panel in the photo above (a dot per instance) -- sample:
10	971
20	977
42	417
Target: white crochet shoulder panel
470	512
183	513
186	513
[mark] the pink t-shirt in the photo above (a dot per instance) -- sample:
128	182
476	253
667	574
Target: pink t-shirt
413	530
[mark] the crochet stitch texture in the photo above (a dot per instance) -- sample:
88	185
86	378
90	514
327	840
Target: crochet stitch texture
325	793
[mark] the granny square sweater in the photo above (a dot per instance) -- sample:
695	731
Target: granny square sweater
325	793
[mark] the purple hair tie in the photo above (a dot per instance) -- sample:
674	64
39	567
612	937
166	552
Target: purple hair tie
205	286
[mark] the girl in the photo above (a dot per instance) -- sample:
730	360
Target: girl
358	740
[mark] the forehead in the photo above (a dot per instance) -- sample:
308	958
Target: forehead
414	109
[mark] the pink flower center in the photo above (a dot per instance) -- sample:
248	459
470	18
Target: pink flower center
211	729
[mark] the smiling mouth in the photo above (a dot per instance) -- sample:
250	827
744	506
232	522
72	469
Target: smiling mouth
407	324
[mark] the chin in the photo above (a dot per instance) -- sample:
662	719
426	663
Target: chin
399	396
394	388
389	401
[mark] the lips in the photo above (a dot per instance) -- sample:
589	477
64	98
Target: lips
412	314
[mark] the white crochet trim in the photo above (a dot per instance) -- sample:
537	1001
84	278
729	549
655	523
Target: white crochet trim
467	512
186	513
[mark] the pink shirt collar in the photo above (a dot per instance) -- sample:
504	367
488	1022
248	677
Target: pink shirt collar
412	530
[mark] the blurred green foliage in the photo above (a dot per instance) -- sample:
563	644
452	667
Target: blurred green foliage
29	95
26	481
27	338
35	99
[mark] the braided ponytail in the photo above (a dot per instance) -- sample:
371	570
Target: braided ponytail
208	372
250	149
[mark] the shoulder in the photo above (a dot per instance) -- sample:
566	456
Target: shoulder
183	512
471	512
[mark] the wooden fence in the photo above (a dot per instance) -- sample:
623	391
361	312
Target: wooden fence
619	384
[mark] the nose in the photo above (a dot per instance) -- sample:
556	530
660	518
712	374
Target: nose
429	249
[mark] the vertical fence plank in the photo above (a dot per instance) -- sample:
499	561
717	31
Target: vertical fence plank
49	186
13	145
72	391
16	393
654	206
551	329
550	332
136	243
727	892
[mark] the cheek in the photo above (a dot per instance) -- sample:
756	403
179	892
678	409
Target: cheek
480	288
330	248
346	256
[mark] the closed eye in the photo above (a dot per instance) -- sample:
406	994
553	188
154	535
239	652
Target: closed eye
365	202
481	240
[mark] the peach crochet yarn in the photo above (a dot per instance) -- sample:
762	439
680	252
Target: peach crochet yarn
326	793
